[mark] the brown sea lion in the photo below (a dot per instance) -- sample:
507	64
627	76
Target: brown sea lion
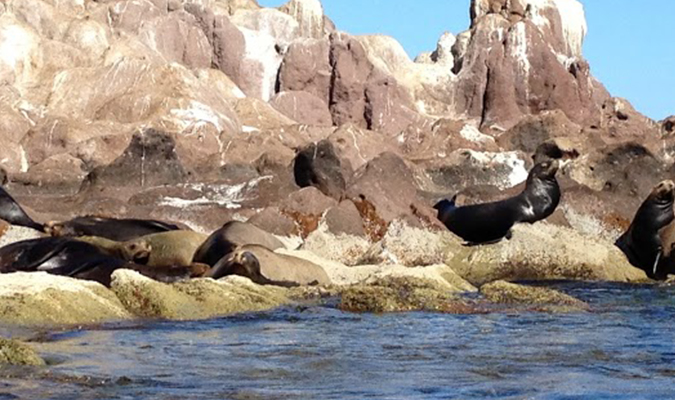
231	235
110	228
266	267
175	248
491	222
648	241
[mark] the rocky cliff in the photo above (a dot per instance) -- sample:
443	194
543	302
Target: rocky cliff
203	111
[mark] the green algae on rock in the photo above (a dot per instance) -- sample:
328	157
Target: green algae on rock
400	294
195	298
38	298
501	292
13	352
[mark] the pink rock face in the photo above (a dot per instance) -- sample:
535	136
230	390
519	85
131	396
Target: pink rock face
148	98
388	184
302	107
306	67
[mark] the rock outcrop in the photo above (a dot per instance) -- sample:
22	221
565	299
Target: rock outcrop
205	112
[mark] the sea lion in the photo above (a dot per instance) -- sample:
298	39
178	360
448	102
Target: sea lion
233	234
266	267
79	259
109	228
12	212
646	243
164	249
491	222
60	256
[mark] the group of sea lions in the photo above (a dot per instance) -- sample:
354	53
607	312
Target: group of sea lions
94	247
648	243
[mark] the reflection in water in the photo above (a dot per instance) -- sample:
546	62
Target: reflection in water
622	349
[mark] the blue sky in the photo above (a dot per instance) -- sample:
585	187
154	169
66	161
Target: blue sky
630	44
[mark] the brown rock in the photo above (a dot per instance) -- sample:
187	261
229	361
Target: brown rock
344	219
533	130
149	160
129	15
178	38
308	14
357	146
318	165
308	200
351	69
306	67
387	183
303	107
668	125
256	114
227	42
272	220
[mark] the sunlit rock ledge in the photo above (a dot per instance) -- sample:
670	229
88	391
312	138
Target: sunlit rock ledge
535	252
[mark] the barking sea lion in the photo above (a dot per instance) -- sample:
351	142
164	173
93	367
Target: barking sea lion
490	222
647	242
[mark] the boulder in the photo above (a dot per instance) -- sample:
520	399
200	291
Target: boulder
401	294
226	40
306	67
387	183
411	246
542	298
544	252
193	299
39	299
178	38
309	15
149	160
531	131
302	107
318	165
344	219
13	352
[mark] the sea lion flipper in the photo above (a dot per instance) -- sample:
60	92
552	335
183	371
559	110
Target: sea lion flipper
509	234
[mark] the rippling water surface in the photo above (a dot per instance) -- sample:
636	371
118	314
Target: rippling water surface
623	349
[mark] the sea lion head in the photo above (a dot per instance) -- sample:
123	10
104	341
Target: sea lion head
544	170
242	263
53	228
137	251
663	192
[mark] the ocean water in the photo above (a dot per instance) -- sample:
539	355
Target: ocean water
622	349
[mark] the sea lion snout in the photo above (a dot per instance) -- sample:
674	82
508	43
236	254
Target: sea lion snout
665	190
138	252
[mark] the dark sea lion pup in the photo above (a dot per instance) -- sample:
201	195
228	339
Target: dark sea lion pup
643	242
121	229
491	222
12	212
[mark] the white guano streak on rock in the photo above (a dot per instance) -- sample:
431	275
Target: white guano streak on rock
16	45
260	49
197	114
572	17
471	133
519	51
510	159
24	160
225	195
